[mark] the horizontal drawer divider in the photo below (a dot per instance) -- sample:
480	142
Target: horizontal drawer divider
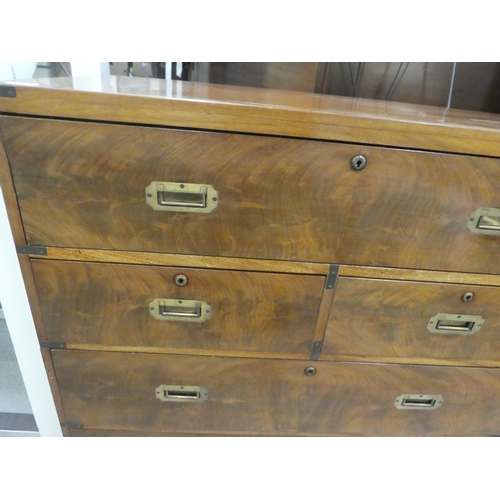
181	260
345	358
291	356
196	352
262	265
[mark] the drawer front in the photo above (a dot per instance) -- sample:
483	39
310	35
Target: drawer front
110	304
118	391
275	196
393	319
278	198
411	209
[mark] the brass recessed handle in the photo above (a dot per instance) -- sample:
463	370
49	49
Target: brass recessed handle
181	393
485	221
182	197
418	401
458	324
196	311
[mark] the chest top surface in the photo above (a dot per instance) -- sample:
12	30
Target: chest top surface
257	111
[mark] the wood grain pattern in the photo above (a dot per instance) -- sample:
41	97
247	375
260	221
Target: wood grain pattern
116	391
54	387
300	201
108	304
16	227
32	292
390	318
410	210
323	315
92	433
10	198
179	260
190	352
121	433
346	358
222	107
290	267
277	197
419	275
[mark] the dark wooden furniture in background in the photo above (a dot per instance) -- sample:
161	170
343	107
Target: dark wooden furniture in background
474	86
338	284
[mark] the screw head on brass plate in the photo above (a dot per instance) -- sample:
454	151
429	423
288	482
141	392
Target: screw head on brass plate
309	371
358	162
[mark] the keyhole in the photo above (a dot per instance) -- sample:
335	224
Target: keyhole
358	162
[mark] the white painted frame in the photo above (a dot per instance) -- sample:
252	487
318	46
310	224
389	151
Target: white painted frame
23	333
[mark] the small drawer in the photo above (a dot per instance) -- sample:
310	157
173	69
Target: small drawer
414	320
118	391
164	307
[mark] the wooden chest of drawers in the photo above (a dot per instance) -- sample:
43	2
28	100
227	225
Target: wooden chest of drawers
203	260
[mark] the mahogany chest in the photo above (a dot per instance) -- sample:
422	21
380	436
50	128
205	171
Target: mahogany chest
210	260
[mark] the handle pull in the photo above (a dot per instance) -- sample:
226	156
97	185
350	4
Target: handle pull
418	401
181	393
180	197
485	221
458	324
180	310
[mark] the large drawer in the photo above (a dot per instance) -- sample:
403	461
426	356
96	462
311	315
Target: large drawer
414	320
118	391
277	198
110	305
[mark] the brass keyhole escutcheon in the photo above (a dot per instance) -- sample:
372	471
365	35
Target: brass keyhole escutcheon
309	371
358	162
181	280
467	296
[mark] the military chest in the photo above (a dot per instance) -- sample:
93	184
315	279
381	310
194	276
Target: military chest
207	260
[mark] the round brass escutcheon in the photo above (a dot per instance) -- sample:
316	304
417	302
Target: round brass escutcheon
181	280
310	370
467	296
358	162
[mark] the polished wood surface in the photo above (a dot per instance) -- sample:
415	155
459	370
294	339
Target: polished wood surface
179	260
116	391
54	386
357	358
222	107
192	352
81	155
390	318
410	210
10	198
105	433
277	197
75	172
323	314
108	304
290	267
419	275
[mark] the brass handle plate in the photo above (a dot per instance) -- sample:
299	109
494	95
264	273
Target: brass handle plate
181	197
455	324
485	221
196	311
181	393
418	401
